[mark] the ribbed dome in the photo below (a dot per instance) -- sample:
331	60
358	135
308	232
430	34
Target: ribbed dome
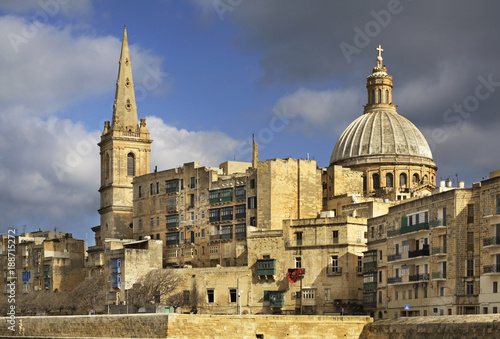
380	132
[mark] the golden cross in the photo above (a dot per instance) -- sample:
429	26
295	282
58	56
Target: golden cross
380	50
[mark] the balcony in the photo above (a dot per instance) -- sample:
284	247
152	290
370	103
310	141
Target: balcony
491	211
242	215
394	280
492	269
240	235
370	285
419	253
437	223
227	235
335	270
170	225
415	228
266	267
438	250
370	305
215	236
440	275
276	298
394	257
171	242
419	277
493	241
370	265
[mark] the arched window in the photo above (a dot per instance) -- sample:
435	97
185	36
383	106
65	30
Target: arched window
364	183
130	164
389	182
376	181
387	96
426	178
106	166
373	96
379	96
415	178
402	179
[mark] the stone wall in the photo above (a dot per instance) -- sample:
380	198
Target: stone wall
456	327
185	326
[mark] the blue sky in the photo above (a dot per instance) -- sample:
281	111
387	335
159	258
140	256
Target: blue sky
209	73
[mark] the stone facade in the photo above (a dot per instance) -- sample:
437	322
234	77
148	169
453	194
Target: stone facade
185	326
45	260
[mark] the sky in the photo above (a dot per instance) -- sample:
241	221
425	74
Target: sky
210	73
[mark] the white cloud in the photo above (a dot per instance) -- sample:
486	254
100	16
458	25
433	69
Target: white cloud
329	111
173	147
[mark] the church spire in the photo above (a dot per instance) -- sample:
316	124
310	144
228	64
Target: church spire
124	107
379	86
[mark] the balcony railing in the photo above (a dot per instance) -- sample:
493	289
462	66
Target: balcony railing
335	270
392	233
174	224
493	241
240	235
228	235
394	280
439	275
172	242
370	305
419	253
266	266
438	250
436	223
414	228
276	298
419	277
492	268
369	265
394	257
241	215
491	211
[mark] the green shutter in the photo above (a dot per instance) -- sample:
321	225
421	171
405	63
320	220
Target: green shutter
404	221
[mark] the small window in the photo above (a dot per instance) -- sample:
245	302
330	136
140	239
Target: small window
193	182
140	191
335	263
495	287
387	96
416	178
335	237
210	296
298	262
298	236
232	295
376	181
402	179
470	267
151	222
140	224
252	183
470	288
470	213
130	164
389	182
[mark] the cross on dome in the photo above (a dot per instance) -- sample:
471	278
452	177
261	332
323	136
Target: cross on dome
379	58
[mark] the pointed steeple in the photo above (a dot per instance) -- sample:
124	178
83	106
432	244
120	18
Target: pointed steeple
124	107
379	86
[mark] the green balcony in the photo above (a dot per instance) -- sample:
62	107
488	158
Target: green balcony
266	267
439	275
276	298
369	265
370	285
436	223
414	228
438	250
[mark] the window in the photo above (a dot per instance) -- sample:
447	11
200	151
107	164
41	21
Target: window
151	222
416	178
328	294
379	96
140	191
151	192
470	267
157	188
158	236
232	295
416	293
130	164
470	213
470	241
203	233
210	295
253	221
252	202
335	237
157	221
308	293
376	181
404	295
402	179
380	297
373	96
298	262
240	193
191	215
335	263
380	255
495	310
140	224
360	265
298	237
470	287
380	276
495	287
252	183
203	214
441	291
387	96
389	182
193	182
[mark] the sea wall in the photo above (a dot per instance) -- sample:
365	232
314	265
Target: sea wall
185	326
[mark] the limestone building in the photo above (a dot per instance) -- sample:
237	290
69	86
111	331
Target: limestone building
44	261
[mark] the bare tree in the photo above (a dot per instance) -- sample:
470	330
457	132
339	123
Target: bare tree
91	293
186	299
156	285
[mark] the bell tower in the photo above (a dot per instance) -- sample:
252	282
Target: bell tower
125	147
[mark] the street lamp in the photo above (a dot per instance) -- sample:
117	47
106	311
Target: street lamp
238	293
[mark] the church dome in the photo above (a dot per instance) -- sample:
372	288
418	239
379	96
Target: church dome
381	135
